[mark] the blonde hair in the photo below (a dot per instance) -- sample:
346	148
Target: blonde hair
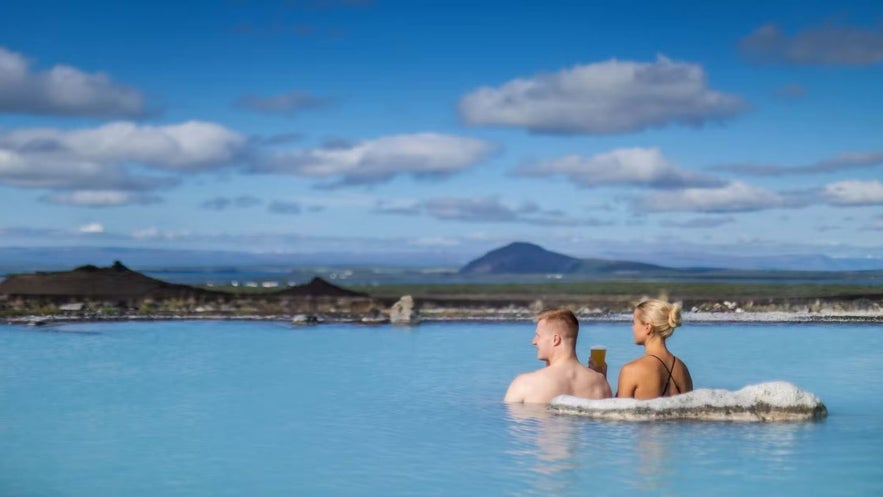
563	319
662	316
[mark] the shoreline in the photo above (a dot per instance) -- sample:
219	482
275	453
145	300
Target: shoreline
319	319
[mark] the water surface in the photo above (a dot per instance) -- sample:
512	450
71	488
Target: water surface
262	408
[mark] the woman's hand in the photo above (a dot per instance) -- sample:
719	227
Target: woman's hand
601	369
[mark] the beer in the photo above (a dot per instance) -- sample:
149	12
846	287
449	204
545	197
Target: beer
598	353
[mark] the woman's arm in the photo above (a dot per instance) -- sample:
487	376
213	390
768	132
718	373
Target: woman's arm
628	381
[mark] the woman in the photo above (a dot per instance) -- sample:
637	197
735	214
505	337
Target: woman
659	373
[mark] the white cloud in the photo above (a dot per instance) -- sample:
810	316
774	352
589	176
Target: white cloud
833	45
482	210
603	98
191	145
100	198
146	233
62	90
838	163
485	209
154	233
624	166
91	228
371	161
733	197
101	158
854	193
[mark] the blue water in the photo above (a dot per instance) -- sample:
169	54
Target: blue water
265	409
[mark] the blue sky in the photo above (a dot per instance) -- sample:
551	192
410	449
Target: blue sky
440	130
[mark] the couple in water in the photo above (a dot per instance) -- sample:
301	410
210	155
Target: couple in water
657	374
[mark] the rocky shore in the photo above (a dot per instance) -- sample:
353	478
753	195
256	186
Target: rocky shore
376	316
89	293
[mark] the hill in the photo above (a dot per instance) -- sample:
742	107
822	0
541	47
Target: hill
317	287
521	258
114	282
528	258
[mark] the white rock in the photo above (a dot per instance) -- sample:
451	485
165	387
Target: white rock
773	401
403	312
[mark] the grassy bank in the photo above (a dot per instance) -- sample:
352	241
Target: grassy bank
717	290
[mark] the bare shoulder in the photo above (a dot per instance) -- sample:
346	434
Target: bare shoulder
638	366
631	375
525	385
598	387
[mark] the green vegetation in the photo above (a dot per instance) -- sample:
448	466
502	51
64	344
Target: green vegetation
241	289
713	290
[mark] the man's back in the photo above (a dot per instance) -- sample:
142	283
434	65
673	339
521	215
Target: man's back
564	378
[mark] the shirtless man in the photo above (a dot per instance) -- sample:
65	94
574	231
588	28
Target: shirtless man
555	340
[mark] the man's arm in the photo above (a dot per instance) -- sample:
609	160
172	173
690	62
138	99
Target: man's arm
604	386
517	391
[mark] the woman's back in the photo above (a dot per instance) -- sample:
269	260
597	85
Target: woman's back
654	375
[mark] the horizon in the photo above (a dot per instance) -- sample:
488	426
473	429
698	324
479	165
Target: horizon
411	131
165	259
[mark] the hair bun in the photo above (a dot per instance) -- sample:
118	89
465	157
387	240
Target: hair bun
674	316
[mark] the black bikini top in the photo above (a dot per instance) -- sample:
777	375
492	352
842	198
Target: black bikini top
670	379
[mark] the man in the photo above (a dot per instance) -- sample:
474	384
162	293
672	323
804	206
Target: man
555	340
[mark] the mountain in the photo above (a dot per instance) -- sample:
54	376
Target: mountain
528	258
116	281
317	287
521	258
120	282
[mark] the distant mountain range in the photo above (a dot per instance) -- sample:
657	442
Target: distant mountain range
518	259
527	258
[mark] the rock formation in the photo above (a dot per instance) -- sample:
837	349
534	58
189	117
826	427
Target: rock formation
774	401
403	312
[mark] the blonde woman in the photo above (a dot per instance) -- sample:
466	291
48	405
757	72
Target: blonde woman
658	373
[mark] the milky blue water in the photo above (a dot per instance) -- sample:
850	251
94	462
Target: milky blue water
266	409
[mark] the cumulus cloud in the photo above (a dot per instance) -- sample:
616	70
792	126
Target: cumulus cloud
603	98
102	158
373	161
91	228
100	198
829	45
733	197
854	193
288	104
624	166
192	145
840	162
483	210
62	90
222	203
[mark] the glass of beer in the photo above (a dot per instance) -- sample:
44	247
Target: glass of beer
598	353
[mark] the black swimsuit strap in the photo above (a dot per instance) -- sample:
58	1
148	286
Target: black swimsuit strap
670	378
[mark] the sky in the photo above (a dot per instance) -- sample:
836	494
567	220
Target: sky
435	131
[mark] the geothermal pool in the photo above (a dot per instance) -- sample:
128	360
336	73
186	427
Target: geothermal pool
262	408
